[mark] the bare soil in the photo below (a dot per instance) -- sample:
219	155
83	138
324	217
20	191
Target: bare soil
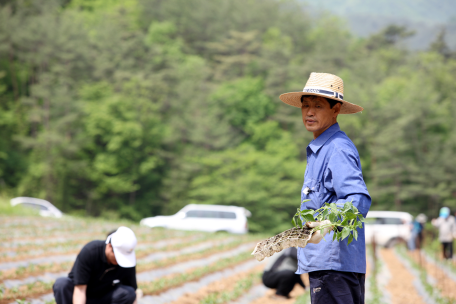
446	285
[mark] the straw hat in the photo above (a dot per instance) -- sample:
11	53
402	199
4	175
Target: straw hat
324	85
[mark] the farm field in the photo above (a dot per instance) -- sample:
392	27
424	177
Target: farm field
195	267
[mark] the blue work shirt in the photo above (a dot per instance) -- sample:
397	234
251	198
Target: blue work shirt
333	175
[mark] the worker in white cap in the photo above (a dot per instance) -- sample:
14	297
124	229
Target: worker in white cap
104	272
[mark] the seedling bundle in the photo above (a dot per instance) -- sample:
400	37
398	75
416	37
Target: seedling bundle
343	221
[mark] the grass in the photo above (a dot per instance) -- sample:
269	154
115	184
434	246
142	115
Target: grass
7	209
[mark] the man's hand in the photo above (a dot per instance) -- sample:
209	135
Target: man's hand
79	294
139	295
318	235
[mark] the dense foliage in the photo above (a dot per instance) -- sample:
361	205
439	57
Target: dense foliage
136	108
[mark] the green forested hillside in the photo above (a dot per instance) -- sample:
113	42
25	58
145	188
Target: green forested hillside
136	108
425	18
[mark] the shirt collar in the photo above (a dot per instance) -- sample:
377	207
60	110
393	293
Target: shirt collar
317	143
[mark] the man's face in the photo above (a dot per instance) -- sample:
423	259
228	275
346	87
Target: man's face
110	255
317	114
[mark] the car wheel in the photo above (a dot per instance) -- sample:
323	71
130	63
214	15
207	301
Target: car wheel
394	241
222	231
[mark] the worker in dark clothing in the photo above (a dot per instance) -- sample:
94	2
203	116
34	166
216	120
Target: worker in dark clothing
104	272
280	274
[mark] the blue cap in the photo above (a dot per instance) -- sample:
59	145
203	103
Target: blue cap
444	212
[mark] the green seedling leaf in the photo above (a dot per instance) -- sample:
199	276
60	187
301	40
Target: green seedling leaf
355	234
309	218
350	238
350	215
299	221
309	211
325	213
344	222
332	217
345	232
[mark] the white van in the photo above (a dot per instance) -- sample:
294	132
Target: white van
211	218
388	227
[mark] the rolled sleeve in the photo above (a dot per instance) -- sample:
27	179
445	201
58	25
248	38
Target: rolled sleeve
344	177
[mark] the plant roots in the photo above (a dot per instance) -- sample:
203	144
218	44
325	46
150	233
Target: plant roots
294	237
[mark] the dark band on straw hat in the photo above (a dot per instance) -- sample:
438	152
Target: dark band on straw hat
324	92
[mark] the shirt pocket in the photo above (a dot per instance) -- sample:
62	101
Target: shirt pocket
311	190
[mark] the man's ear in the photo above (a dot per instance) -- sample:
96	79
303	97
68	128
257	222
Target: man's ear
336	109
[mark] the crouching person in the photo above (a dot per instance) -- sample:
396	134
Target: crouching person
280	274
104	272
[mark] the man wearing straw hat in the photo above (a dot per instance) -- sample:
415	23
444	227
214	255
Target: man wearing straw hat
333	175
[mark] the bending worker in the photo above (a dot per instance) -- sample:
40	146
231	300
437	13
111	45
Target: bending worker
280	274
333	175
104	272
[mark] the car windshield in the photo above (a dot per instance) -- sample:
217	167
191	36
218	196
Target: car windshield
384	221
211	214
34	206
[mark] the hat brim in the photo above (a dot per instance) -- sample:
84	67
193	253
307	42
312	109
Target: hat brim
125	260
294	99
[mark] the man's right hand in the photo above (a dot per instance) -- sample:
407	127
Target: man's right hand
318	235
79	294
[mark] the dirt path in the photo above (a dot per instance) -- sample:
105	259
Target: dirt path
400	286
446	285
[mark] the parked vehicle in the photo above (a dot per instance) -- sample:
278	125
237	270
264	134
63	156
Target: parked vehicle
45	208
388	227
211	218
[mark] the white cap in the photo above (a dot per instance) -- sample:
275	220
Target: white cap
123	243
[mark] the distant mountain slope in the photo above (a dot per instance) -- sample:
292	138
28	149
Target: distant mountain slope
426	18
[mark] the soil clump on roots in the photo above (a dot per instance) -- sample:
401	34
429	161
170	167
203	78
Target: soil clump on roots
294	237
